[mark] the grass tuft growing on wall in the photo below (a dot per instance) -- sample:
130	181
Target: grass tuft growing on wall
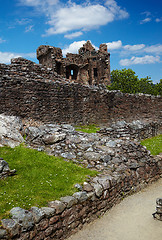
87	128
40	178
154	144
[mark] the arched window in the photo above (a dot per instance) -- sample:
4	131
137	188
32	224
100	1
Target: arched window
72	71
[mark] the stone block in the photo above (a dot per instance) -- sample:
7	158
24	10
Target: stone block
11	226
69	201
80	196
87	187
58	205
48	211
53	220
3	234
37	213
23	217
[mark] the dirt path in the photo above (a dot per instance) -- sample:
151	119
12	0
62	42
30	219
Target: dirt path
129	220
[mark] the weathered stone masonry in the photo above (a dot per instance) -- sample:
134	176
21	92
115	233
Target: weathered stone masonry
88	67
62	218
46	94
124	166
32	91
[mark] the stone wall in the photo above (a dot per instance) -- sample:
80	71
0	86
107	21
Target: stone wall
135	130
62	218
32	91
89	66
123	165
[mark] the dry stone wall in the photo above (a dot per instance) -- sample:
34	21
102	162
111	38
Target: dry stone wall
62	218
124	167
32	91
135	130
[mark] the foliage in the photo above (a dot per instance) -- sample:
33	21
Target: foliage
87	128
154	144
40	178
126	81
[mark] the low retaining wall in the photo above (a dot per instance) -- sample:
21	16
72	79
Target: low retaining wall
135	130
62	218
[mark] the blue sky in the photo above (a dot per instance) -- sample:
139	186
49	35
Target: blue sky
132	30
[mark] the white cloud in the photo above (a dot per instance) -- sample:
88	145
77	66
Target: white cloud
73	35
158	20
146	20
23	21
114	45
134	47
140	60
31	3
38	3
147	13
2	40
79	17
69	17
142	48
73	47
157	49
116	10
5	57
29	28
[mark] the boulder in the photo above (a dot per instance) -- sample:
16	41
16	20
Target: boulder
10	131
50	139
23	217
4	169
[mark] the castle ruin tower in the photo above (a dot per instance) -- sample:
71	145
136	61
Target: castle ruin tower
88	67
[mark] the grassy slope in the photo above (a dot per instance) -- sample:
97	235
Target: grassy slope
40	178
154	144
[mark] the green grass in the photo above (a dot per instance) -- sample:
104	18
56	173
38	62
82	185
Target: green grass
40	178
154	144
87	128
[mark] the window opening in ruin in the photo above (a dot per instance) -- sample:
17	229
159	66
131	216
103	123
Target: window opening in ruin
90	78
95	72
58	67
72	72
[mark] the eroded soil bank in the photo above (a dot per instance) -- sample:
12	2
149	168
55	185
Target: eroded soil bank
129	220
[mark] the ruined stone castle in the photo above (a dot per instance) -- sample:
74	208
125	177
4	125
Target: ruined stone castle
70	90
89	67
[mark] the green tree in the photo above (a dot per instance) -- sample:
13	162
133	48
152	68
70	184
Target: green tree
126	81
145	85
158	88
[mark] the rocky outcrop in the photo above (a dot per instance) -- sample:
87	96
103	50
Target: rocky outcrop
10	131
5	170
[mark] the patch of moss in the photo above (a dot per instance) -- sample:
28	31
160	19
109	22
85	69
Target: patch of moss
87	128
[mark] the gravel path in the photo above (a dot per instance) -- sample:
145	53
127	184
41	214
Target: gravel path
129	220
